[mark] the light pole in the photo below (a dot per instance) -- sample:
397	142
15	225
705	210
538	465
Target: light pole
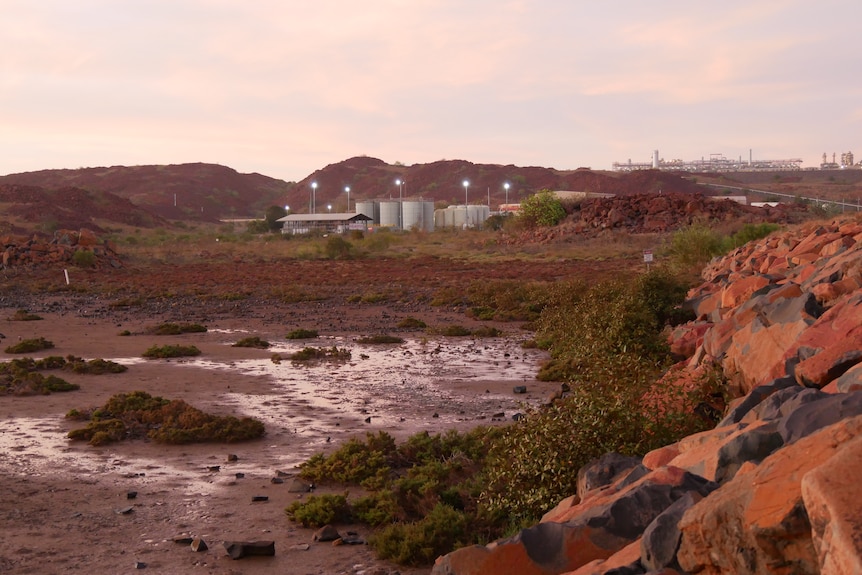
347	189
286	209
329	208
313	197
466	210
400	183
506	185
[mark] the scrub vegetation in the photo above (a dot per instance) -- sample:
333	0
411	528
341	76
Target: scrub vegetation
607	343
138	415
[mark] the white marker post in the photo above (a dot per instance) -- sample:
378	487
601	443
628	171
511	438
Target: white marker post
647	259
66	273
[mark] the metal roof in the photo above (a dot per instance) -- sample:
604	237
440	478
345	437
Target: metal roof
327	217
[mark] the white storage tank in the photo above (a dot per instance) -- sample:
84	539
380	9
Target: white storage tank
389	214
476	215
370	209
418	215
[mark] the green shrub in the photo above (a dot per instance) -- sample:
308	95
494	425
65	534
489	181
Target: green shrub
751	232
506	300
84	258
253	341
693	247
486	331
542	209
138	414
378	339
320	510
167	351
302	334
30	345
320	353
420	543
455	331
24	315
338	248
412	323
177	328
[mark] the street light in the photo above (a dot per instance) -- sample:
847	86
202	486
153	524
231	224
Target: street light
347	189
506	185
286	209
466	210
329	207
400	183
313	197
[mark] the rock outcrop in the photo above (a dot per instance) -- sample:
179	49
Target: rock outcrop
78	247
773	488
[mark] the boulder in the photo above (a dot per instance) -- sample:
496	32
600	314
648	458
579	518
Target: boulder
603	471
815	415
851	380
240	549
757	522
597	528
660	540
831	496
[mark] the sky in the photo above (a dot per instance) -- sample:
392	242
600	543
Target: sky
286	87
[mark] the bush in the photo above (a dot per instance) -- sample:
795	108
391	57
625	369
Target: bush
320	353
138	414
412	323
177	328
167	351
542	209
302	334
253	341
337	248
320	510
30	345
420	543
455	331
24	315
84	258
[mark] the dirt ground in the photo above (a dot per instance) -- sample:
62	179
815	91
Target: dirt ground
65	506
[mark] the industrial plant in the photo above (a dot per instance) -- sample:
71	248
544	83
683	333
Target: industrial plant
714	163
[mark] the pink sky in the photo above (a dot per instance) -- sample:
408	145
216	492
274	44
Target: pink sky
286	87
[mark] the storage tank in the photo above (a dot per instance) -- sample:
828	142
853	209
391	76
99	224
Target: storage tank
458	216
370	209
418	215
389	214
476	215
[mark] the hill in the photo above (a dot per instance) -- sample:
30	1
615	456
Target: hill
200	192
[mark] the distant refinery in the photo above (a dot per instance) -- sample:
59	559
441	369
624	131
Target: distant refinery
720	163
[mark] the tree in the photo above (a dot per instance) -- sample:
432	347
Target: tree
273	213
542	209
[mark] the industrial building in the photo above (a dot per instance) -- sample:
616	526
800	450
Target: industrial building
403	215
714	163
338	223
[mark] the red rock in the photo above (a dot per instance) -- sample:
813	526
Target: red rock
831	496
626	556
756	522
739	291
832	362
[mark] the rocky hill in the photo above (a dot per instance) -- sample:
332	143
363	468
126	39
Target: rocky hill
773	488
201	192
208	192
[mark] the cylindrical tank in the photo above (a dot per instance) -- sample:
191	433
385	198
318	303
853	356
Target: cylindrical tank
418	215
389	214
428	215
459	216
370	209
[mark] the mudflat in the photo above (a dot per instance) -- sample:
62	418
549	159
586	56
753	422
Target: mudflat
69	507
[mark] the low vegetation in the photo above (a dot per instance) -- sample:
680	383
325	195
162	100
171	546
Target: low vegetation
412	323
434	493
302	334
333	353
169	351
21	376
24	315
30	345
170	328
253	341
138	415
